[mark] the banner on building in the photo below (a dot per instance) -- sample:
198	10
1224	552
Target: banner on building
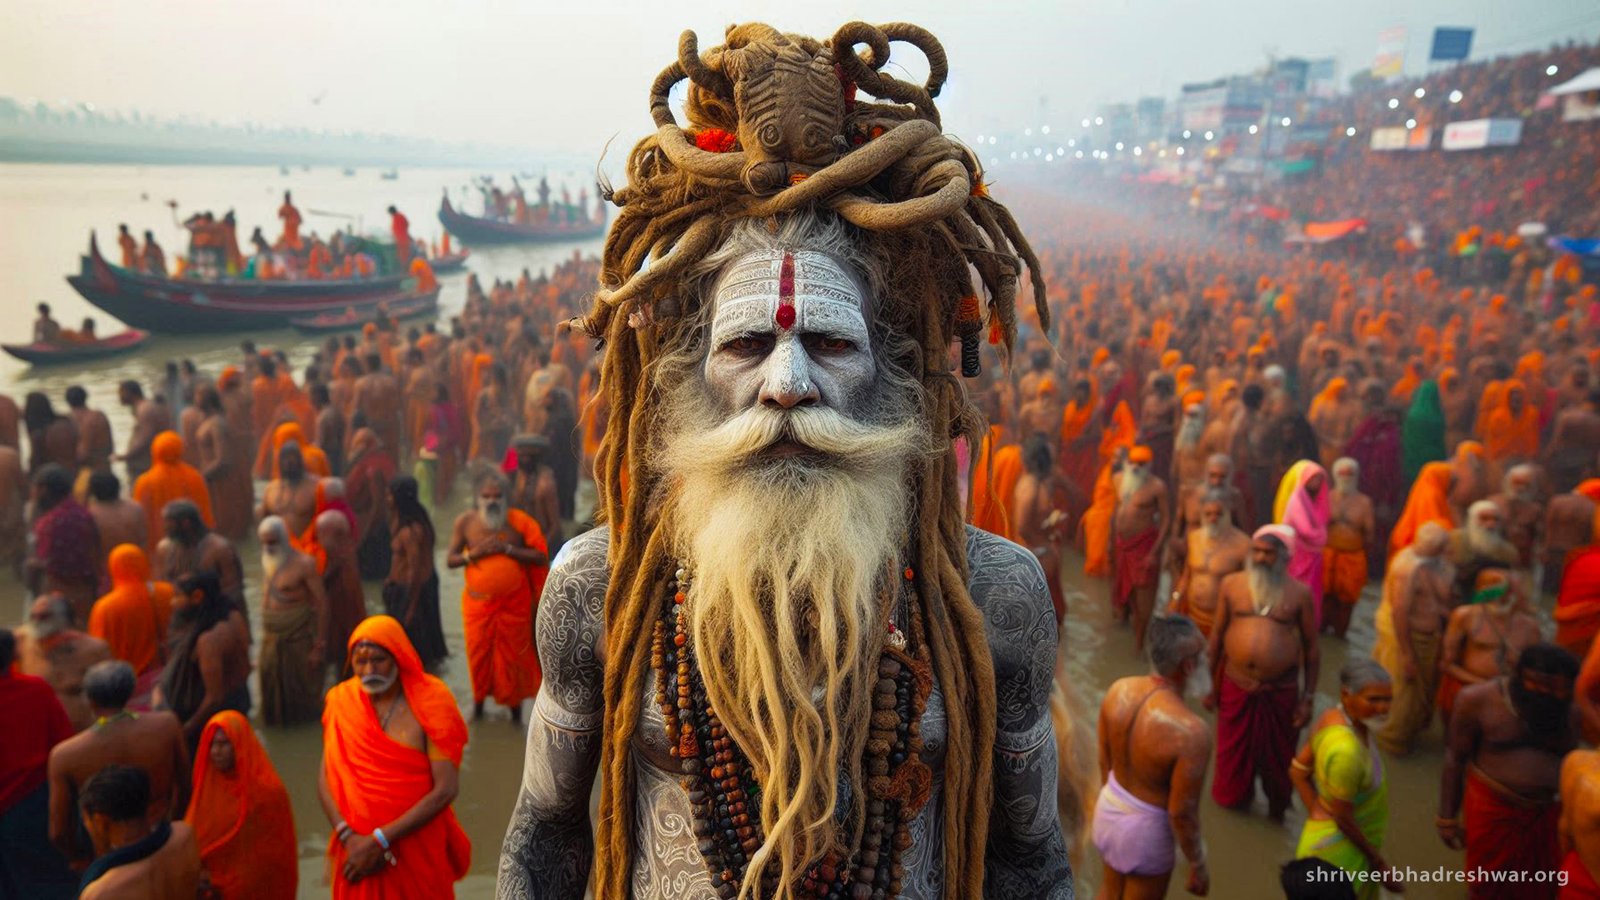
1476	134
1322	78
1391	59
1451	44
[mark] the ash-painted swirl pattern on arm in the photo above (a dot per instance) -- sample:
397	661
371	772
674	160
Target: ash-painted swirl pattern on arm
549	846
1026	855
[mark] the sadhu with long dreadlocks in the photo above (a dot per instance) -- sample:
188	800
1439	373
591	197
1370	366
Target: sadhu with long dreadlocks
794	668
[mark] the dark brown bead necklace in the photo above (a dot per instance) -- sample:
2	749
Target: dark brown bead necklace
726	797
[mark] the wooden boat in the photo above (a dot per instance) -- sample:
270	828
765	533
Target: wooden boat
180	306
414	306
444	265
478	230
60	354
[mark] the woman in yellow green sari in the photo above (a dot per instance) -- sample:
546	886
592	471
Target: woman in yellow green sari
1340	778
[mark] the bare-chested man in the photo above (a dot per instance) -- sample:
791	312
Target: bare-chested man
1218	478
1579	827
1334	415
1154	751
152	741
1478	545
190	549
1521	512
1038	370
1041	411
1418	612
1214	550
1351	525
95	443
330	428
1142	512
1040	506
49	647
1485	635
533	487
119	520
1158	421
1265	659
225	463
1568	526
1574	438
149	419
1188	449
294	620
292	496
138	854
1502	768
1253	453
377	395
208	659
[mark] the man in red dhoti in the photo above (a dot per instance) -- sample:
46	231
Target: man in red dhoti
1265	660
1498	793
504	553
1141	518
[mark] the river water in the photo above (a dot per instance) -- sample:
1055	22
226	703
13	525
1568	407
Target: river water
46	213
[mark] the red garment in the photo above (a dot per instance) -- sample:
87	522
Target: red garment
24	751
373	779
1134	567
1577	612
498	605
1255	736
242	820
1580	882
1506	833
68	542
1445	700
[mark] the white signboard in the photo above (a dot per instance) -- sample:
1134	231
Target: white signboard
1476	134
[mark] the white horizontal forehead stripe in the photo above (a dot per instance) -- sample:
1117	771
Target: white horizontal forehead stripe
825	296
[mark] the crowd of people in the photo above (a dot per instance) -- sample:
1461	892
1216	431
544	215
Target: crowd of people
214	251
1243	442
140	643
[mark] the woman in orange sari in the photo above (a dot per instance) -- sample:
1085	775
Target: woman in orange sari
241	815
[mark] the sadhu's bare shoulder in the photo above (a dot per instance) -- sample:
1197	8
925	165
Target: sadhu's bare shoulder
1008	586
569	629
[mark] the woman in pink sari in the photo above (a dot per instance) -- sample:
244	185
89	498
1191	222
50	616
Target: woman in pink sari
1303	504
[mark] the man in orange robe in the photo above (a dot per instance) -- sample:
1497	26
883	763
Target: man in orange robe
132	618
392	740
169	479
240	814
1429	501
1512	431
504	554
290	240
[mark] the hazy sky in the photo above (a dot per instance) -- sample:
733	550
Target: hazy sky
570	73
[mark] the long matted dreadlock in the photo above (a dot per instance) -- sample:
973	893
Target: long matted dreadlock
776	126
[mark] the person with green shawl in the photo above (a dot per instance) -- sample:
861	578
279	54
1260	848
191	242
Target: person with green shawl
1422	434
1340	778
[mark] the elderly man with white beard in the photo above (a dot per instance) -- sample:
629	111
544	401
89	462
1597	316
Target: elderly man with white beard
795	670
1188	453
1522	513
1478	545
294	628
1264	658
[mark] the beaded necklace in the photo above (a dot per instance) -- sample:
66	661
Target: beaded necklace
725	795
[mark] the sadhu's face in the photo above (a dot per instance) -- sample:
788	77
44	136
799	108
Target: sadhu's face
374	666
1211	512
1264	553
789	330
1216	474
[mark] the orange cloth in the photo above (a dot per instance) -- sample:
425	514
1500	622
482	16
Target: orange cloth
1493	397
374	780
497	609
1096	525
1429	501
423	273
242	820
169	479
1344	574
291	226
129	618
1331	395
266	395
1508	435
1120	432
995	483
316	461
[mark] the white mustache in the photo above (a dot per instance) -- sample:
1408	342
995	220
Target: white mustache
847	441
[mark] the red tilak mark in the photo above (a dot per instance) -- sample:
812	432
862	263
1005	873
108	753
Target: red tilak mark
785	315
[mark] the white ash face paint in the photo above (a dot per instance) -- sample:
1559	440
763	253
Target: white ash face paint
825	356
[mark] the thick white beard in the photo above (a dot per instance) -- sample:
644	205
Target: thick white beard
1133	478
1266	586
271	562
1346	484
495	520
1215	530
1483	541
788	558
1190	431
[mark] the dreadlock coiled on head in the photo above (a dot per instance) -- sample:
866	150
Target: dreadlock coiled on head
787	135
